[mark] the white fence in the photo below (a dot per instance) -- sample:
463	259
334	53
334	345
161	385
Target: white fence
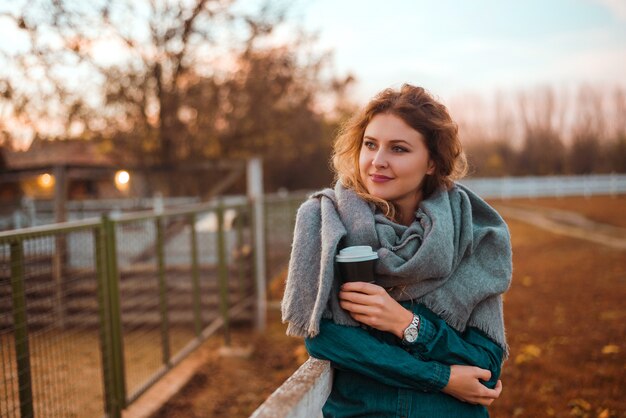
40	213
547	186
302	395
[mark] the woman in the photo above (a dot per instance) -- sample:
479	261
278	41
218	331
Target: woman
427	338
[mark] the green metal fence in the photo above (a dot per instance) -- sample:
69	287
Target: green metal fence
280	217
92	313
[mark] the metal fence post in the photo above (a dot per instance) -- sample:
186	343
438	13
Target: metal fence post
59	259
165	326
241	213
266	225
112	285
255	195
195	276
111	405
22	353
223	272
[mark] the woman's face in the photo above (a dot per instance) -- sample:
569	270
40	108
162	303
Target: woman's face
393	161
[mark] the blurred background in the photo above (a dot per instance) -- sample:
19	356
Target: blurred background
152	86
112	106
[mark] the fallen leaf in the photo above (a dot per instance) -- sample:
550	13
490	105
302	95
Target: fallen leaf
578	406
528	353
610	349
612	315
532	349
604	414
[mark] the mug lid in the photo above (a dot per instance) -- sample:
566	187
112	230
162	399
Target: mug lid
355	254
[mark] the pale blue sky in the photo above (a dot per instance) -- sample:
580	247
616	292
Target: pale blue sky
457	46
451	47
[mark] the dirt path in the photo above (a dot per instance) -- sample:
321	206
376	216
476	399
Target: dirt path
602	209
566	327
234	386
567	223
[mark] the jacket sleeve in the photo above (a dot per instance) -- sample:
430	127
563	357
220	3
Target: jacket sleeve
355	349
437	341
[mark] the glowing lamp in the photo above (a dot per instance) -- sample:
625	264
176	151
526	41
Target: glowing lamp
45	181
122	179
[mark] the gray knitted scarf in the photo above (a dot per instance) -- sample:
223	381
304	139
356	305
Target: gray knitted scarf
455	258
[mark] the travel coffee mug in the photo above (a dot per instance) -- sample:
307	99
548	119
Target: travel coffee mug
356	264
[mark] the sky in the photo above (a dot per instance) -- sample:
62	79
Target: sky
458	46
453	47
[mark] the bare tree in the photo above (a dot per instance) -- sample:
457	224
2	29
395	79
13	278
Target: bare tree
560	132
588	130
542	151
616	147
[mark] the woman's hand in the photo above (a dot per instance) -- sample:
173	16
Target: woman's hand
371	305
465	385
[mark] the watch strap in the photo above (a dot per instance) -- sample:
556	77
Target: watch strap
415	324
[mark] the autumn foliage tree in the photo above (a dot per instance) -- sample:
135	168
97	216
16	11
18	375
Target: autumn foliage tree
167	83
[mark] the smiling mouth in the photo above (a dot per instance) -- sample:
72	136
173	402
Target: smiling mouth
377	178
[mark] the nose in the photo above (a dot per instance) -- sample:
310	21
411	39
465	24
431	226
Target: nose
380	160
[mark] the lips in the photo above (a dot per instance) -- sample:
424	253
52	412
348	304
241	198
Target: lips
379	178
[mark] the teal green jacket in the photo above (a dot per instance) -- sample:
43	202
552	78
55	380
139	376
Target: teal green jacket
377	376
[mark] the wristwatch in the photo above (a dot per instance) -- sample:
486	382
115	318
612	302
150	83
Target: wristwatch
412	331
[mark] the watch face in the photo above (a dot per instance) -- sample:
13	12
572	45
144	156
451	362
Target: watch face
410	335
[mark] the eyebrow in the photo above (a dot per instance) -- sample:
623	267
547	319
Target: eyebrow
393	141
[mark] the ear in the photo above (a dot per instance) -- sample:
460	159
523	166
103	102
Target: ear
431	167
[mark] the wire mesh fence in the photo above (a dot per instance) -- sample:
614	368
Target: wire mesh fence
50	349
280	218
94	312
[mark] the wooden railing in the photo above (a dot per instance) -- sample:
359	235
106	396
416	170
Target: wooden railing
302	395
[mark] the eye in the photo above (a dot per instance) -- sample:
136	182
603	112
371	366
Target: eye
398	148
369	144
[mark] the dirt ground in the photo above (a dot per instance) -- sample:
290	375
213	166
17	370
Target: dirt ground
235	386
566	326
604	209
72	387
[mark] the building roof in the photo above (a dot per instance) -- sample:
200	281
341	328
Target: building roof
44	153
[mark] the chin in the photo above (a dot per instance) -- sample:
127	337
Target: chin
380	195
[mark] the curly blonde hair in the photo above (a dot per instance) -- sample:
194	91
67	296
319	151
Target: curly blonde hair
418	109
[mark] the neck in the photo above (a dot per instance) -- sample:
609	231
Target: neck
405	219
405	208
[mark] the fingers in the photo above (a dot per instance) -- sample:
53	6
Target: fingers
355	308
355	297
361	287
364	319
465	384
498	387
485	401
491	395
483	374
351	299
